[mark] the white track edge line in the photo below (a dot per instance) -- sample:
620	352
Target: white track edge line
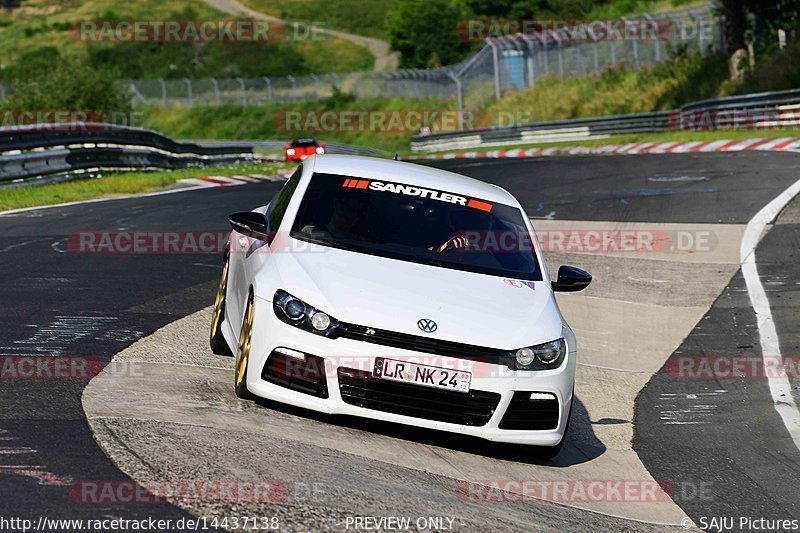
96	200
779	386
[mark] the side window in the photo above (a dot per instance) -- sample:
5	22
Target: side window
277	208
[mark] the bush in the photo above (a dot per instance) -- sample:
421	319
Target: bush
45	81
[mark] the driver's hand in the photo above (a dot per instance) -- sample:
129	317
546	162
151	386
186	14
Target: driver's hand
455	242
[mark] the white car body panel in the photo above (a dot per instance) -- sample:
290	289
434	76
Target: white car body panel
389	294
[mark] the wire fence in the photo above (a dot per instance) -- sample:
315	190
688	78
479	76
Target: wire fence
502	64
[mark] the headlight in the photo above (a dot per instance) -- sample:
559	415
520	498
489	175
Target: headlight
541	357
320	321
296	312
525	356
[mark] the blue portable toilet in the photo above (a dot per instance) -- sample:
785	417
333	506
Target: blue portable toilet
513	68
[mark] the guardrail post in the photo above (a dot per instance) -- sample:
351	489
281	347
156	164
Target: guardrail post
496	66
699	21
635	44
652	21
294	86
545	47
613	48
215	83
595	52
244	91
163	92
316	84
188	83
531	60
269	88
560	57
459	99
3	91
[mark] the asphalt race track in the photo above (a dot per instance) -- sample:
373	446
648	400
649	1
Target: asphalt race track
717	443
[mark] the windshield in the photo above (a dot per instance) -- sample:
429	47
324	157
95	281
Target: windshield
416	224
301	143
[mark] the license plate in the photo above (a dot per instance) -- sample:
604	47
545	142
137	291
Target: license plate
429	376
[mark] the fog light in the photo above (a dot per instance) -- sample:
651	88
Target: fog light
320	321
542	396
291	353
525	356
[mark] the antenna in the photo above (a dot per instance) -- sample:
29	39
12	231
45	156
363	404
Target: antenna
396	156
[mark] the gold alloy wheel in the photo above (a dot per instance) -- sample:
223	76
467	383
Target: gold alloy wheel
243	350
219	301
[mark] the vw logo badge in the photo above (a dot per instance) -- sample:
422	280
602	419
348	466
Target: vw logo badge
427	325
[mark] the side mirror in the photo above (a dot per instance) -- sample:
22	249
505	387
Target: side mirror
251	224
571	279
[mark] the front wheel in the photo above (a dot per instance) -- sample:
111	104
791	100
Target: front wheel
219	345
243	351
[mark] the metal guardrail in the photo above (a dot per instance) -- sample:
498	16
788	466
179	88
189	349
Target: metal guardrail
747	101
756	110
545	132
28	152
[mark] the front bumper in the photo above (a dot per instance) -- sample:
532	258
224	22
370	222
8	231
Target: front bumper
343	356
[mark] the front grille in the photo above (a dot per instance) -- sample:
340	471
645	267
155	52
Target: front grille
426	344
360	388
306	376
524	413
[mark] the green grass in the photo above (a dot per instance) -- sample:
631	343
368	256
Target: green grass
267	122
617	91
49	23
116	184
363	17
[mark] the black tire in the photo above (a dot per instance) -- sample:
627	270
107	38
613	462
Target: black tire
218	343
243	351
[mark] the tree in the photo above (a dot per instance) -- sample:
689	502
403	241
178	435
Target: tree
45	81
735	24
425	32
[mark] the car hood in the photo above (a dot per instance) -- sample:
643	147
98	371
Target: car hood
394	295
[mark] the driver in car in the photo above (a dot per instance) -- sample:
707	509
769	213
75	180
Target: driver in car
348	210
461	222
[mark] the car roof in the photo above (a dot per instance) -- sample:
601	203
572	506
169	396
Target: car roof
410	174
